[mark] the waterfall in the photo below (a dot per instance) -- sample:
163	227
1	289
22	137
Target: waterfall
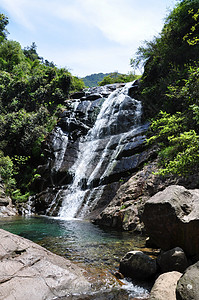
118	122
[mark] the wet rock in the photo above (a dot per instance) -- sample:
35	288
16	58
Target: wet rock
172	260
77	95
124	210
188	284
137	265
6	207
93	97
165	287
28	271
171	219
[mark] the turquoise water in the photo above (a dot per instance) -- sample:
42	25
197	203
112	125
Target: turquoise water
80	241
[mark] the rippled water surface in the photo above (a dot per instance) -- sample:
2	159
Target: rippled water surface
80	241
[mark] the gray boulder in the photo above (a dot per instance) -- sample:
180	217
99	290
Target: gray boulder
188	285
6	207
172	260
28	271
165	286
171	219
137	265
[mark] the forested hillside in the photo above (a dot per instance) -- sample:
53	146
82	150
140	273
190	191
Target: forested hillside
93	79
169	89
32	92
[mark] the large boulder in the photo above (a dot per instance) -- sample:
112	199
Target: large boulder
188	285
28	271
165	287
137	265
171	219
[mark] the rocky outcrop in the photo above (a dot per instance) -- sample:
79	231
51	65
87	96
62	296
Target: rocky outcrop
171	219
6	207
137	265
124	210
102	136
188	284
165	287
28	271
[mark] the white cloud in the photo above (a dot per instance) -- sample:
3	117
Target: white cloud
86	35
121	21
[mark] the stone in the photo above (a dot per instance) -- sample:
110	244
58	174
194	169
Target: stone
123	212
93	96
6	207
172	260
4	199
165	286
28	271
188	284
138	266
77	95
171	219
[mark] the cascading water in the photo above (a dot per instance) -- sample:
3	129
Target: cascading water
118	122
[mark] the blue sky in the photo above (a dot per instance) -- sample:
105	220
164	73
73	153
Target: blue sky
86	36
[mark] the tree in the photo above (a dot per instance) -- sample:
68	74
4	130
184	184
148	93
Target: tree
31	52
3	23
11	55
167	57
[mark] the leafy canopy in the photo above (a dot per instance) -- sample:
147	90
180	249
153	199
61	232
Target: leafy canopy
169	89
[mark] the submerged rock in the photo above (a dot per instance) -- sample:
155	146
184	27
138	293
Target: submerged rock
28	271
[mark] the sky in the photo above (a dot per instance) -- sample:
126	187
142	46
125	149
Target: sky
86	36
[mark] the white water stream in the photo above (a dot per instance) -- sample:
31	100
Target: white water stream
118	119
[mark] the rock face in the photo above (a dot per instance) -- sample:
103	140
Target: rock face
171	219
137	265
165	287
97	142
124	210
6	207
188	284
29	271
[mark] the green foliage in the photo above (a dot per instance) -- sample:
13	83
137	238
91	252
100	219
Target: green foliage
177	134
11	54
169	89
176	145
168	57
182	157
6	172
192	37
3	23
77	84
32	90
